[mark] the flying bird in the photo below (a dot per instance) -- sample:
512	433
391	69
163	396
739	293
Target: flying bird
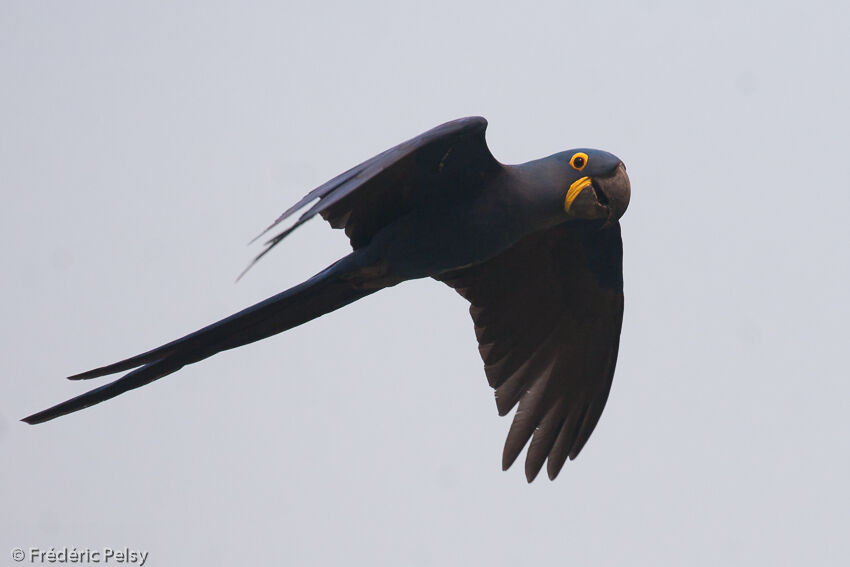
535	248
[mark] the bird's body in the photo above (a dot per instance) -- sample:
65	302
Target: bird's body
534	247
452	233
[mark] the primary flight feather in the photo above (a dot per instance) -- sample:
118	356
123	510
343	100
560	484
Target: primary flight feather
535	248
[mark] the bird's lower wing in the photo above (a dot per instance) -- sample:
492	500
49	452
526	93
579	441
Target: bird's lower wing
547	316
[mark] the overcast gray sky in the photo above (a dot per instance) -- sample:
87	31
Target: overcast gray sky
142	144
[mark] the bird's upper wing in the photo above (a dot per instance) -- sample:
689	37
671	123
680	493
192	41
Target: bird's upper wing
451	157
547	314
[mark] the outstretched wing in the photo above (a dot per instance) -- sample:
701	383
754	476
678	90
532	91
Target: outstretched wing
547	314
449	158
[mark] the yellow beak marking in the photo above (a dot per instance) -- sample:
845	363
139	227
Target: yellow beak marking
574	191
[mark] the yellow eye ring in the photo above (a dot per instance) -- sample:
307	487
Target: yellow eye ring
578	161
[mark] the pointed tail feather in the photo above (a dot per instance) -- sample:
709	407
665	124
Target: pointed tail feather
325	292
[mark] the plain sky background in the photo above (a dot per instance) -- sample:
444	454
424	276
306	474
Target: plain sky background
142	145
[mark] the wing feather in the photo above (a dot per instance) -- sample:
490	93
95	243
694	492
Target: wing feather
451	157
547	316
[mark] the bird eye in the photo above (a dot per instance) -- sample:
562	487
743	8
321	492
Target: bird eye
578	161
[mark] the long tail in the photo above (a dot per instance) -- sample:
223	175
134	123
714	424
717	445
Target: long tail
325	292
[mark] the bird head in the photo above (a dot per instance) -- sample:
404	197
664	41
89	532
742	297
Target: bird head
597	186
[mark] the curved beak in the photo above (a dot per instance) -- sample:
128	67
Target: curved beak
599	197
616	190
